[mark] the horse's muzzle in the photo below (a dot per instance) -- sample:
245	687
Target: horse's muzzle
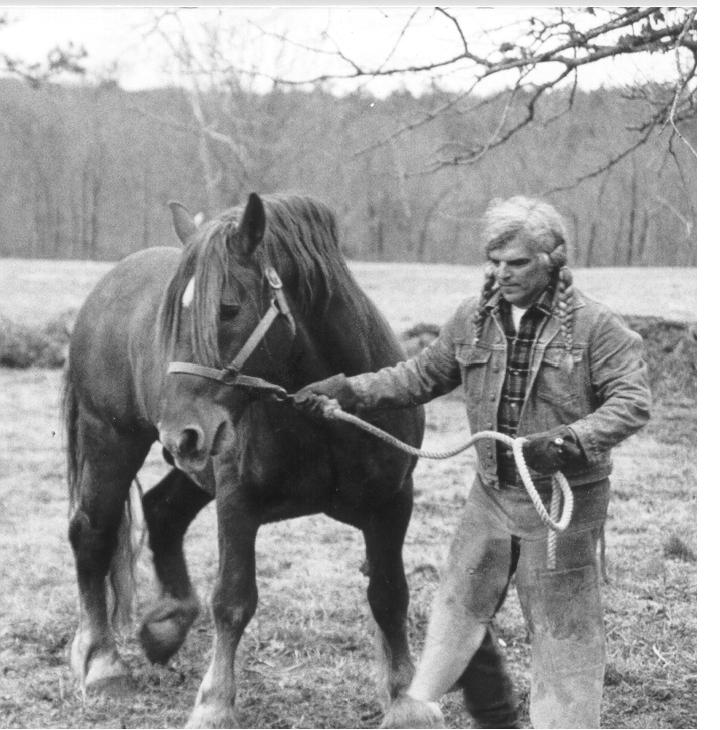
187	448
190	449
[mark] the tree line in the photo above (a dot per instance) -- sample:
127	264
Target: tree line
88	169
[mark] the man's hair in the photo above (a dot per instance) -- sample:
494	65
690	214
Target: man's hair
525	220
538	225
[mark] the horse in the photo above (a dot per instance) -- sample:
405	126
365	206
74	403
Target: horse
154	356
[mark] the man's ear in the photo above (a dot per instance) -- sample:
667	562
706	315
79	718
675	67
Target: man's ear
183	222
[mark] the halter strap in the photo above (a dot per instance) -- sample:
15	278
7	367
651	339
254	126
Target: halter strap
278	306
230	375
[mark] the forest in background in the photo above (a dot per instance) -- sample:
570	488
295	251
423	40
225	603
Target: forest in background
87	170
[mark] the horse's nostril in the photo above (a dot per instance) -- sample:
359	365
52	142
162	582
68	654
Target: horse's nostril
190	441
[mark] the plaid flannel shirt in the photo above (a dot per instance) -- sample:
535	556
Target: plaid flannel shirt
610	394
519	350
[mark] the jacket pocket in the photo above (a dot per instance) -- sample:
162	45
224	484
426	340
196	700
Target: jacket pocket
559	394
468	355
474	364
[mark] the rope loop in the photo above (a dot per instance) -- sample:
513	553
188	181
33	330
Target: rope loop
331	410
561	487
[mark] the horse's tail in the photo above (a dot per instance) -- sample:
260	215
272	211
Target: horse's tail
70	422
121	581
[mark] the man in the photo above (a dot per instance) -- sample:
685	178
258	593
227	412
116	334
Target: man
536	358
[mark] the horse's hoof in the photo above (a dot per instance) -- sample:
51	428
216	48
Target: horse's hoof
108	675
118	685
204	716
407	712
165	627
100	670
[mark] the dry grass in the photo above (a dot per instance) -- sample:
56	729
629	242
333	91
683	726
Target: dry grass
306	659
35	291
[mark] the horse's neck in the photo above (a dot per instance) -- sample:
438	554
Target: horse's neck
337	343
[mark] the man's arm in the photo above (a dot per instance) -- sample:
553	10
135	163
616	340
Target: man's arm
431	373
619	380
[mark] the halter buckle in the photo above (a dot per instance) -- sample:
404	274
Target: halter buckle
228	375
273	279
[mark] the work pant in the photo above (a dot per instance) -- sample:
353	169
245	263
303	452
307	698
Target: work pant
500	534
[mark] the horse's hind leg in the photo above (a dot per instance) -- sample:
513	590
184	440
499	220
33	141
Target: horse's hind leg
387	593
170	507
107	463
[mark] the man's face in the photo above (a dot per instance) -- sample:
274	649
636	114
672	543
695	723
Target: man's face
521	273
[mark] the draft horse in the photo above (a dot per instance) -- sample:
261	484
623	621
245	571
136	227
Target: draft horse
266	285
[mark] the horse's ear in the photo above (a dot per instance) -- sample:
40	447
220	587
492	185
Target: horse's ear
252	228
182	221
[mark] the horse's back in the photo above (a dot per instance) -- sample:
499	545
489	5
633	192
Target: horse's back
135	272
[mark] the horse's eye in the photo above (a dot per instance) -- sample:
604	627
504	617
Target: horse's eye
229	311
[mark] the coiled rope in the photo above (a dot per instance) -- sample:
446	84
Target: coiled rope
561	492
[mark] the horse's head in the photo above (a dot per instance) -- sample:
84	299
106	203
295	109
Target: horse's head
225	313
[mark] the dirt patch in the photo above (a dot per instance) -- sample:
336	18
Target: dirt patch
671	350
44	345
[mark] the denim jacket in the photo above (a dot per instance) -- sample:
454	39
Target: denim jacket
604	399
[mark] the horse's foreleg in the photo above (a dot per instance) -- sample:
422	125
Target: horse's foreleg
170	507
234	603
107	465
388	593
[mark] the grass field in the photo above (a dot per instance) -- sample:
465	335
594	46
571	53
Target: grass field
306	658
33	292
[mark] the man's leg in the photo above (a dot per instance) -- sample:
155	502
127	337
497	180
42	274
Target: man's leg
471	589
487	688
563	610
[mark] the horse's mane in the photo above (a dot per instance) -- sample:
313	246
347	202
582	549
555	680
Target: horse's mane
300	242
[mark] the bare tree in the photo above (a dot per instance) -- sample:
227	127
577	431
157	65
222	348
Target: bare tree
214	89
58	60
544	52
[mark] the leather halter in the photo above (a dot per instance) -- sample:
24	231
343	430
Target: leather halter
230	374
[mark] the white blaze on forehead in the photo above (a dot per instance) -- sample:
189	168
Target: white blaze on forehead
189	293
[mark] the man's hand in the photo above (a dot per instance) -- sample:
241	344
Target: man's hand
313	398
555	450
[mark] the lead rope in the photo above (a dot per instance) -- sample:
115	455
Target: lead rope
555	521
561	492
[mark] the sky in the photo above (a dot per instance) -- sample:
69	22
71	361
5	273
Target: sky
127	44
